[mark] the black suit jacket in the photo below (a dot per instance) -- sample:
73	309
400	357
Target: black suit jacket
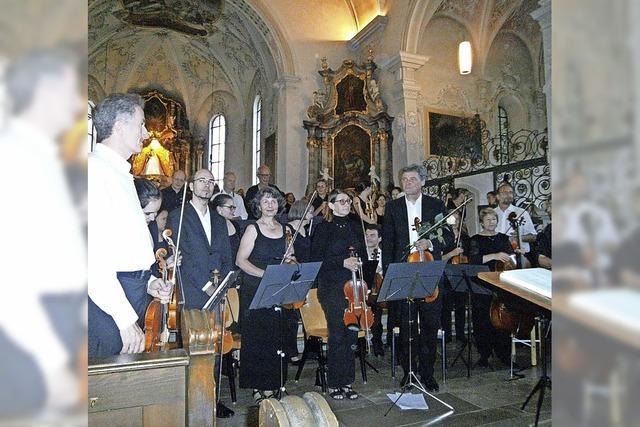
199	257
395	236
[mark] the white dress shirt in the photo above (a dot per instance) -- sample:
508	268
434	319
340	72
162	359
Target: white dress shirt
371	253
43	252
119	240
414	210
240	211
205	220
504	226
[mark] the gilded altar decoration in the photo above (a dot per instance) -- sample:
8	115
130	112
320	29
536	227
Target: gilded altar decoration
348	128
170	146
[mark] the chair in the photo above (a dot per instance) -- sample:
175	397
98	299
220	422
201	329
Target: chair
532	343
317	336
443	352
232	315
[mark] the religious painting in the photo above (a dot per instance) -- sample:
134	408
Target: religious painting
350	95
352	156
450	134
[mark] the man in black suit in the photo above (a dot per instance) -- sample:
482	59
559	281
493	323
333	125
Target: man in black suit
204	245
398	234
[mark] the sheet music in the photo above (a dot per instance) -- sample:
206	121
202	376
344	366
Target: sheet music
536	280
616	306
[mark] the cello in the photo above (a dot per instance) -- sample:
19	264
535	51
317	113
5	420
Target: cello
503	314
358	315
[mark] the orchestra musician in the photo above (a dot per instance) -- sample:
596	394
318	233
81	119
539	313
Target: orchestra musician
204	242
504	208
373	237
488	248
120	248
330	244
399	233
204	247
262	244
454	300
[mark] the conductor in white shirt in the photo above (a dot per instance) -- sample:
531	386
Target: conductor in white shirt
505	207
120	246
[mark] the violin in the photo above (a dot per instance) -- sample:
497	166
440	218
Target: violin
223	338
520	260
377	284
423	256
173	315
357	315
156	333
460	259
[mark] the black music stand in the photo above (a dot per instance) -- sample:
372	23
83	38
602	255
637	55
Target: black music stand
220	293
459	276
409	281
544	324
284	284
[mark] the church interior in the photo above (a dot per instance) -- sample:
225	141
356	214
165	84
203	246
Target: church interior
349	92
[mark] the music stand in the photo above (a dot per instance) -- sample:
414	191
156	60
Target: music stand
218	294
284	284
459	277
408	281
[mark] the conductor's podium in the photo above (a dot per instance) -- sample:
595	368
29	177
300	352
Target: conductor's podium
166	388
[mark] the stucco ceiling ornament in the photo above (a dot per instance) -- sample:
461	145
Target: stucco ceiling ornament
193	17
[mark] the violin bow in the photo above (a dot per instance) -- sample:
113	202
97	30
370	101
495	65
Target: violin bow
295	234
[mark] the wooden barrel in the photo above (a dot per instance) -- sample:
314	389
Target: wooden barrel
311	410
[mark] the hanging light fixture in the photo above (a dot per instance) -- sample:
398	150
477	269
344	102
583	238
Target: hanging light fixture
464	57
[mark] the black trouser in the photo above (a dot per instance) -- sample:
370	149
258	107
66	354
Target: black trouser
291	332
454	301
486	336
376	328
341	369
393	319
425	339
104	334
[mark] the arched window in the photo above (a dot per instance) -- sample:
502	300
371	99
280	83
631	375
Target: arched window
217	133
257	144
91	130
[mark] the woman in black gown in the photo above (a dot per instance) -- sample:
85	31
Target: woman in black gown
262	244
330	245
488	247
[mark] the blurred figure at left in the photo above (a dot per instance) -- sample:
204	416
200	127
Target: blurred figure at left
41	328
120	246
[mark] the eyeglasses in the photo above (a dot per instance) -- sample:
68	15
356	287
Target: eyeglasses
206	181
264	174
344	201
231	207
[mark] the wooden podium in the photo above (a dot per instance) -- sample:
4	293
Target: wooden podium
167	388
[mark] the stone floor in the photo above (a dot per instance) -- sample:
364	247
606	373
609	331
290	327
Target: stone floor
487	398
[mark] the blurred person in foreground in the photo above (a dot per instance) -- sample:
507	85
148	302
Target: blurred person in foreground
120	247
40	329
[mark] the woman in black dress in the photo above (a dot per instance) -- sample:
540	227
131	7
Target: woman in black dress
262	244
330	244
488	247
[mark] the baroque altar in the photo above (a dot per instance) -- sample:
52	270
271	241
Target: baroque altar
348	129
170	145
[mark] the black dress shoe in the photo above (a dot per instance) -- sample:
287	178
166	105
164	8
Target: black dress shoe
378	349
222	411
431	384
